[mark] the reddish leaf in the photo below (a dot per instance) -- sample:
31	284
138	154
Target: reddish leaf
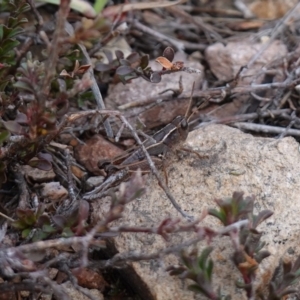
45	156
82	69
133	57
59	221
21	118
21	213
64	73
22	85
108	54
41	164
119	54
84	208
124	70
102	67
169	53
13	127
164	62
144	61
89	278
124	62
43	220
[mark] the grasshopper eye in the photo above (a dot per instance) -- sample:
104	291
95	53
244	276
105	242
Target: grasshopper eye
184	124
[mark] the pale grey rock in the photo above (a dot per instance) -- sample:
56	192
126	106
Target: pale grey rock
94	181
37	175
226	61
232	161
74	294
140	90
53	191
46	296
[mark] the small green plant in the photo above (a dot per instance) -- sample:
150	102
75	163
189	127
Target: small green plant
74	223
99	5
8	34
248	253
285	275
134	66
36	224
198	268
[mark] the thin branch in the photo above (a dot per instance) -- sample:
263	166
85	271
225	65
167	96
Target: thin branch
6	217
36	13
154	170
276	31
126	257
111	181
206	28
70	175
22	186
161	37
287	128
266	128
217	93
62	15
94	87
65	268
57	290
23	286
245	117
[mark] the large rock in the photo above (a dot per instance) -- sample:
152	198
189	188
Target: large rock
235	161
225	61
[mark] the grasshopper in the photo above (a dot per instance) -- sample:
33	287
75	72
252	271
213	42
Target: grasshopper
171	137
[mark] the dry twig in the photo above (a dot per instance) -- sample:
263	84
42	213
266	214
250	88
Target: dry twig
161	37
154	170
62	15
94	87
266	129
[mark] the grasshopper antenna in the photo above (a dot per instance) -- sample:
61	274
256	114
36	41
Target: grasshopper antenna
203	104
190	104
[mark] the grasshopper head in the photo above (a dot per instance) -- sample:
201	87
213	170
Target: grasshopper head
178	132
183	129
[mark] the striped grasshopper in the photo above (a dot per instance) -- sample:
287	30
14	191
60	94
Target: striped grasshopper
171	137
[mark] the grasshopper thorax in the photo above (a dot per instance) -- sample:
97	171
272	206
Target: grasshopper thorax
178	132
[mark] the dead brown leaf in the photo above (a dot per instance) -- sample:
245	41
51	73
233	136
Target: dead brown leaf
90	279
95	149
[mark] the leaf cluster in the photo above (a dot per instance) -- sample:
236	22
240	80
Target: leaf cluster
135	65
197	268
36	224
285	275
247	255
8	33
